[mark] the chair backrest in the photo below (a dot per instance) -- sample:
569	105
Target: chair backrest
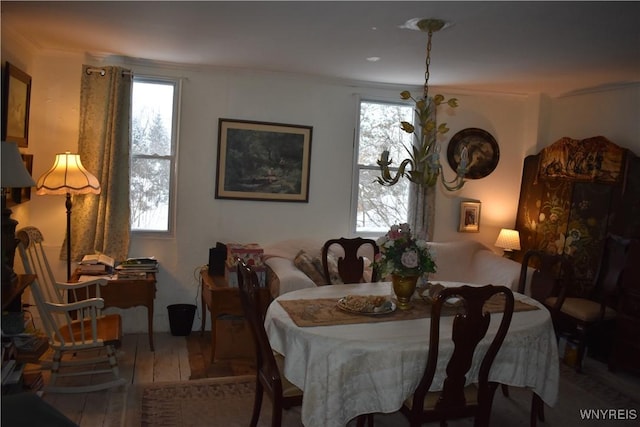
612	264
351	266
34	260
250	299
43	288
470	326
552	273
46	294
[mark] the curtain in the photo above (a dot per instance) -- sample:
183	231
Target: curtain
422	198
101	222
422	206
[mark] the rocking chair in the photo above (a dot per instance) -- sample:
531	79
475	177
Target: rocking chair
75	328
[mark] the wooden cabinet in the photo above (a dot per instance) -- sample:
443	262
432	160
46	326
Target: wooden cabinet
573	193
221	299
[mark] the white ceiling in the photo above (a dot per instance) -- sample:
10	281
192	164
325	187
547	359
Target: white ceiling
517	47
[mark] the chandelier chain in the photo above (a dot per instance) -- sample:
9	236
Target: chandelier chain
427	63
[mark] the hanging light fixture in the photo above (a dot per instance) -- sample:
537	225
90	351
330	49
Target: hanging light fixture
423	167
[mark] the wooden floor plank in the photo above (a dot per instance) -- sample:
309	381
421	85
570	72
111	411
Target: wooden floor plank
166	364
143	372
183	361
127	356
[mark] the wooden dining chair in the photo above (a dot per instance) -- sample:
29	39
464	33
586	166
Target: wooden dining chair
578	315
350	263
72	328
470	326
269	364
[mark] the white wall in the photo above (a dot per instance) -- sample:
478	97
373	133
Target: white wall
516	121
612	113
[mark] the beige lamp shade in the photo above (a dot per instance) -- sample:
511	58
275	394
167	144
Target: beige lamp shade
508	239
67	176
14	173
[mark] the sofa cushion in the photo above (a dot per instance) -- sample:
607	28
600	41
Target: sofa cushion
287	277
310	263
311	266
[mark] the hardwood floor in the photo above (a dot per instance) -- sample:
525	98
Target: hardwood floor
138	364
170	362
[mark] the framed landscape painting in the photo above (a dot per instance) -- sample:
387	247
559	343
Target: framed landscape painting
15	105
263	161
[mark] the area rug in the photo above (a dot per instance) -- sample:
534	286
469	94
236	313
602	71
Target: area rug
228	402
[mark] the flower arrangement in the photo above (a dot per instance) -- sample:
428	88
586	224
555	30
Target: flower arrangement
403	255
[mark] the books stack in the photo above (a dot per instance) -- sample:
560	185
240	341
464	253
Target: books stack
96	264
137	268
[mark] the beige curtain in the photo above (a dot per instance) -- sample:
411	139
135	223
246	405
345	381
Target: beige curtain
422	204
101	222
422	207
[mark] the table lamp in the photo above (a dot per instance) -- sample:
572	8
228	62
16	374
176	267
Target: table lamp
68	176
509	240
14	175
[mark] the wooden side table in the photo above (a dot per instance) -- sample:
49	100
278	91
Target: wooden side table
219	298
127	293
12	292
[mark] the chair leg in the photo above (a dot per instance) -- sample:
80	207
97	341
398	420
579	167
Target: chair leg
537	410
257	404
364	420
505	390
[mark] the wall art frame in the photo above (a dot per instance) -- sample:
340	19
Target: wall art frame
15	105
483	149
263	161
469	217
15	196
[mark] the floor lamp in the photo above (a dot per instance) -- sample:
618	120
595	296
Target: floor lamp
14	175
68	176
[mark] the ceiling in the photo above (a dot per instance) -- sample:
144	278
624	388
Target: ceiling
514	47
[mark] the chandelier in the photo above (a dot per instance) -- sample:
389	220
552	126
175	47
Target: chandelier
423	167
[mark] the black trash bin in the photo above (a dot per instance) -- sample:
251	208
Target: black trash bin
181	318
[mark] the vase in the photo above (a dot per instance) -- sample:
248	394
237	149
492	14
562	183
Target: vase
404	287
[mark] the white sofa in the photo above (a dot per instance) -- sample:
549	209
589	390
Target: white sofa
457	261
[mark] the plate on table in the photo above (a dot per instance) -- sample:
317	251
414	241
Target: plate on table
371	305
430	292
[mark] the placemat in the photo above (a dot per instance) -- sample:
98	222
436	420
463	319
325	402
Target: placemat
325	312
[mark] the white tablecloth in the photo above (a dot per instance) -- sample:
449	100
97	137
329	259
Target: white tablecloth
348	370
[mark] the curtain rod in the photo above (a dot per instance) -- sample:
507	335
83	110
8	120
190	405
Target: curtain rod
102	71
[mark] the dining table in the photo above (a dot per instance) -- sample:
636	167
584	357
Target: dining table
348	364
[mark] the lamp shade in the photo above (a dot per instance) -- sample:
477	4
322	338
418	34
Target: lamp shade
14	173
508	239
67	175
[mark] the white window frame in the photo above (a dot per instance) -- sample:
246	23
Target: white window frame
357	167
173	157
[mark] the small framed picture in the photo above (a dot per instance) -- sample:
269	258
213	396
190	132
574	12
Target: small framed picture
469	217
263	161
15	105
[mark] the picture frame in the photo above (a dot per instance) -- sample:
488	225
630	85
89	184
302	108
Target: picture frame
469	217
15	105
263	161
15	196
482	148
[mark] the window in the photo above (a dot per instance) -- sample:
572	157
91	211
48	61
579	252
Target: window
378	207
153	153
